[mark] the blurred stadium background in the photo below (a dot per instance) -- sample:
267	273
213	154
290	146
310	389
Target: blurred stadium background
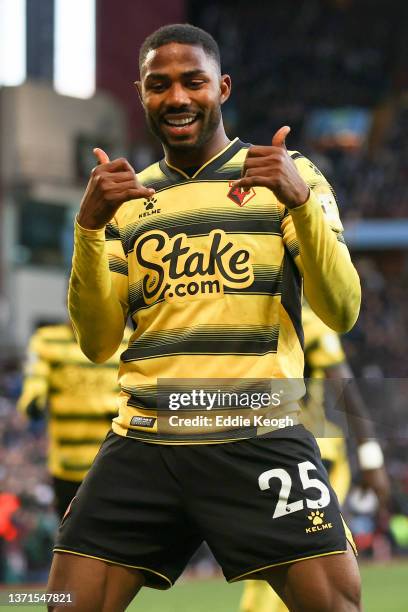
336	71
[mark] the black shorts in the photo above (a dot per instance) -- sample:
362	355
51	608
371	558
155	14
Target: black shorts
64	491
257	503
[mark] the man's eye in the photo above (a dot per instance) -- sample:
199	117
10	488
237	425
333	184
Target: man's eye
195	84
157	87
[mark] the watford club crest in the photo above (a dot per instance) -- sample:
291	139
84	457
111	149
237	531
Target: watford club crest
239	196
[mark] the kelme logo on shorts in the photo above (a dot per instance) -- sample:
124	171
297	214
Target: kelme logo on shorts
318	524
180	268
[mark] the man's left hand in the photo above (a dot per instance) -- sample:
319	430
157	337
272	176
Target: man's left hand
272	167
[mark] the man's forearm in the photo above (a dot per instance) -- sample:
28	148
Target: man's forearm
341	377
369	451
331	282
94	307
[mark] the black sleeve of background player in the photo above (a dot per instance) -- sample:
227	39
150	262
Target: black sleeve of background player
34	412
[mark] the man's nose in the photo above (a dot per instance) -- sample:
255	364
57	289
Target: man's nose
178	95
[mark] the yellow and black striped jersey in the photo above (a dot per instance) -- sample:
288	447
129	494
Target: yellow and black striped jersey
211	278
80	398
323	348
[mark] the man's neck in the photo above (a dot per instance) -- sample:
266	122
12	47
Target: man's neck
191	157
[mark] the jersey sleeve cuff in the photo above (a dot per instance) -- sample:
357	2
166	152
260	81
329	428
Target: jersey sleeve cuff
309	207
96	234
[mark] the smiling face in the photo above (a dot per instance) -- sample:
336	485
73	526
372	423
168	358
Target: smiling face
182	92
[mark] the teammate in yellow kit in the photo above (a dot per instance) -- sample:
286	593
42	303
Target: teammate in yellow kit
78	398
324	356
208	251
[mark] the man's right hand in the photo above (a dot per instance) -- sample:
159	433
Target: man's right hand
110	185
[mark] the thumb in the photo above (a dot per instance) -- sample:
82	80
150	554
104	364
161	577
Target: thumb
278	139
101	156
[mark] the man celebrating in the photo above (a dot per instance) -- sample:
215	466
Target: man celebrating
207	251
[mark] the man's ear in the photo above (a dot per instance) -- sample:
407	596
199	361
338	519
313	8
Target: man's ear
225	86
138	86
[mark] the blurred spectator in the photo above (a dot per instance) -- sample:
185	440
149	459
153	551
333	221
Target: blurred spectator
9	503
292	57
24	484
377	344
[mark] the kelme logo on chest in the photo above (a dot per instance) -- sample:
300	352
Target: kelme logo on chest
149	208
178	268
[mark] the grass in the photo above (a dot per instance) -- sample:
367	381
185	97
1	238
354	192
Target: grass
384	588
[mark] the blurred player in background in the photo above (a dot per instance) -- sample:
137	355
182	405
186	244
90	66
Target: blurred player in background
78	398
325	359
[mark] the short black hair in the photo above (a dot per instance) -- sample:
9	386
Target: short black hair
183	33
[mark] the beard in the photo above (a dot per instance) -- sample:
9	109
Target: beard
209	124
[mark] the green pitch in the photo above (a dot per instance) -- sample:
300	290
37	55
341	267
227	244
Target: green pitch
384	587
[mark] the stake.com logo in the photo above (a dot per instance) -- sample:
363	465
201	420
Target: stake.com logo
174	268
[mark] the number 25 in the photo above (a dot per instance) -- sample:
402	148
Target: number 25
283	507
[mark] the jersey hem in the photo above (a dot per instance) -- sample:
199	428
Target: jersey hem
194	440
